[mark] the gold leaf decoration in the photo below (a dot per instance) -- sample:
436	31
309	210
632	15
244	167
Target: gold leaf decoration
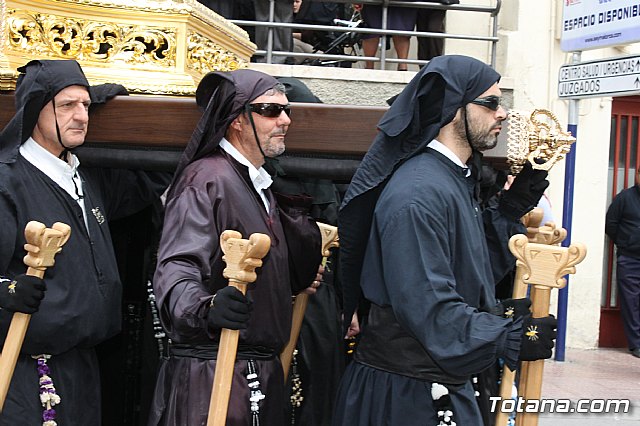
72	38
204	56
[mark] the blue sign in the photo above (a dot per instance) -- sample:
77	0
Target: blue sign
591	24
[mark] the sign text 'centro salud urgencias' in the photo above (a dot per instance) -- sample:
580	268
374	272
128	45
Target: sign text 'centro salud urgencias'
608	77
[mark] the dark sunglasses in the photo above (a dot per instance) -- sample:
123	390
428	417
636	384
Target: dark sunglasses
269	110
492	102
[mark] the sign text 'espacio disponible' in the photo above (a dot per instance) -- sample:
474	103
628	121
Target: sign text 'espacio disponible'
590	24
608	77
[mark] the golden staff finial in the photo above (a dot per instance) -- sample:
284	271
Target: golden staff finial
536	137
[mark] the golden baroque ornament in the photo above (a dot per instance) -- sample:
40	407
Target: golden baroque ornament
204	56
72	38
161	47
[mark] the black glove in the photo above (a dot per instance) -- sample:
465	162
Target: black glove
538	335
229	309
101	93
524	193
512	308
22	294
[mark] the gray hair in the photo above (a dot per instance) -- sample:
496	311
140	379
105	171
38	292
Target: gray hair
278	88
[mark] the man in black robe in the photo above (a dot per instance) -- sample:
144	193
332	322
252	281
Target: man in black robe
40	179
318	366
413	240
220	184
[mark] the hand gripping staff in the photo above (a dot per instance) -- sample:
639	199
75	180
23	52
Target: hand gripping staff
544	268
42	245
329	239
242	258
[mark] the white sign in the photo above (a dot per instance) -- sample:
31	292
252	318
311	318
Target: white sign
609	77
589	24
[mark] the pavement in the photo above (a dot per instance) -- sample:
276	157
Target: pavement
598	374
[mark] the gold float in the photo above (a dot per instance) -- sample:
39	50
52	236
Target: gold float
154	47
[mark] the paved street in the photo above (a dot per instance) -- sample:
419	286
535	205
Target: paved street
593	374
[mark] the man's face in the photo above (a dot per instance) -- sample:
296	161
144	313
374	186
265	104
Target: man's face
296	5
484	123
72	116
271	130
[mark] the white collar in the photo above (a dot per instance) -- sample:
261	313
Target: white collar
58	170
444	150
259	177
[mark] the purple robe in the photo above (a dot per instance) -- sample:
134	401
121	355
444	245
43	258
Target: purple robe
214	194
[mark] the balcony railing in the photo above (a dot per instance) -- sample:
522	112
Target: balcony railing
350	27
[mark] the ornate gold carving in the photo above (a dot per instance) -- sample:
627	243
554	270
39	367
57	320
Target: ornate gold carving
536	136
149	46
81	39
204	56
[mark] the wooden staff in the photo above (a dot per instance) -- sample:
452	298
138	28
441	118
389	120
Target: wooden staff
42	245
242	258
544	268
547	234
329	239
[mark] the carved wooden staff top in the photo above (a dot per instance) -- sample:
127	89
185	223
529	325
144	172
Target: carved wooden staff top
242	258
42	245
546	265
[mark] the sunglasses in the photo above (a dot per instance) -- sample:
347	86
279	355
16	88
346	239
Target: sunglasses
269	110
492	102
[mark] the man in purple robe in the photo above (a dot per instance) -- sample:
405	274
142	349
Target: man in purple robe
220	184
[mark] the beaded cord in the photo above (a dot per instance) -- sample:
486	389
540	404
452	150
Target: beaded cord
48	396
255	394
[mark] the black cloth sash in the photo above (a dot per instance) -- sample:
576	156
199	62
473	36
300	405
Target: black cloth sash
385	345
209	351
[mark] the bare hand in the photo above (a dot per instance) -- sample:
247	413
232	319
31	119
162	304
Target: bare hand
354	327
315	283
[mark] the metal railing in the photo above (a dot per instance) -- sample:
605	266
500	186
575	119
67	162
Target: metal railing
269	53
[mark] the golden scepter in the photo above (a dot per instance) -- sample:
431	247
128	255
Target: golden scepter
536	137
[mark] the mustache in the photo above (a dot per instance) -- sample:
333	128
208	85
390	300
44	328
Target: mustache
282	132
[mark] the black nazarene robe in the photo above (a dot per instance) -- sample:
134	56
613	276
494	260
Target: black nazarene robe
214	194
82	303
427	261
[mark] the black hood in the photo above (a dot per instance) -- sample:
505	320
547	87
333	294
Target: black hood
39	82
428	103
297	91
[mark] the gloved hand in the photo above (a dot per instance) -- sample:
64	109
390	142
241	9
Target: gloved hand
524	193
22	294
229	309
512	308
538	337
